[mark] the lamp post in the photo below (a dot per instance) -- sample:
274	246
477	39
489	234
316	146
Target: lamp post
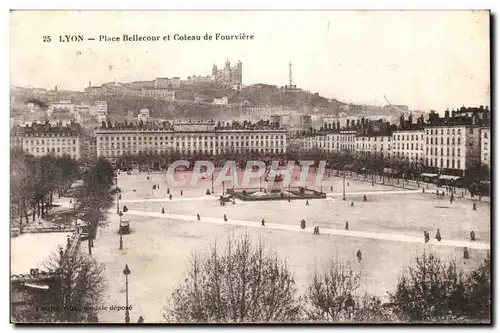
213	175
120	231
117	197
126	272
343	185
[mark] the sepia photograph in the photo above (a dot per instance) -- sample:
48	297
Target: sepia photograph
250	167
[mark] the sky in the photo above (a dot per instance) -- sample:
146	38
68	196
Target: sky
423	59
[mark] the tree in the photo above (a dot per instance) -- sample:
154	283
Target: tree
332	294
242	283
95	197
80	289
478	293
82	284
433	290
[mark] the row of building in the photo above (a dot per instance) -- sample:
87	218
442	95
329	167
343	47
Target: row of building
452	143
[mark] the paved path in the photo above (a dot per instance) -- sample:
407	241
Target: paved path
296	228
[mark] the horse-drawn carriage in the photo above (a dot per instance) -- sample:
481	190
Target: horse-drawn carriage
124	227
226	198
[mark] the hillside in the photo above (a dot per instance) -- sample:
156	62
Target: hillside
195	101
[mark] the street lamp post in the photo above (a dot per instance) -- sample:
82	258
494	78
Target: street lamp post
117	197
343	186
120	232
213	175
126	272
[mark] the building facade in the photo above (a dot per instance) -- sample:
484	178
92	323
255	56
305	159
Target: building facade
452	147
408	144
373	144
188	139
101	110
485	146
45	139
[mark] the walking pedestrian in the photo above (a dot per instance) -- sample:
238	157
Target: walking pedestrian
472	235
346	225
182	193
307	202
358	255
438	235
170	196
426	237
466	253
162	210
263	223
474	207
168	191
352	203
198	217
364	198
225	218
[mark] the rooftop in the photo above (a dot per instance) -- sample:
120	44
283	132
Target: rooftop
34	249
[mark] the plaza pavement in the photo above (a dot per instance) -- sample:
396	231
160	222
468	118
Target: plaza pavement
347	233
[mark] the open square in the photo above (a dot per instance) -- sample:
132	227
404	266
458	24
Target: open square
388	229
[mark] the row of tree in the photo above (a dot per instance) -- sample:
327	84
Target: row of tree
244	282
34	182
96	196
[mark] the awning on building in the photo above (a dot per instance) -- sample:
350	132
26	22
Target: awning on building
447	177
429	175
37	286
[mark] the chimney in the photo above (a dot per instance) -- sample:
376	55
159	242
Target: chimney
447	115
90	84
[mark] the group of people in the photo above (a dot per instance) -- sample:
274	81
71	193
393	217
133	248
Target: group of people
316	230
427	237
